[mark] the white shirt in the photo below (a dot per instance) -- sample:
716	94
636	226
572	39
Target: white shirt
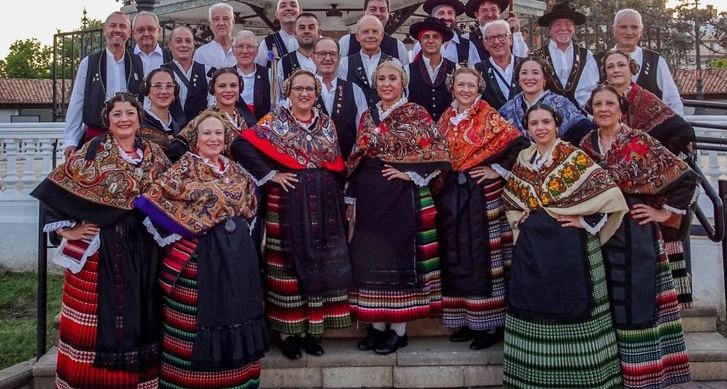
305	64
506	73
427	63
664	80
183	91
291	44
115	82
329	95
345	42
369	62
449	51
248	90
562	65
151	61
212	55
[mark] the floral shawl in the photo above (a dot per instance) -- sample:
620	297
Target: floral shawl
514	111
281	137
570	184
407	135
481	135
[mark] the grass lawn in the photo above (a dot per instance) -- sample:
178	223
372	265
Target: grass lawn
17	314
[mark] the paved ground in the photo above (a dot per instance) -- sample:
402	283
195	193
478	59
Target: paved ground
702	385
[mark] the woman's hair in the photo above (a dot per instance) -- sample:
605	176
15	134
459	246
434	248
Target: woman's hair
633	66
221	71
544	66
146	85
288	83
121	97
468	70
557	117
396	65
623	102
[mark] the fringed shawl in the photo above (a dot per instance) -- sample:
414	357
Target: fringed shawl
571	184
480	136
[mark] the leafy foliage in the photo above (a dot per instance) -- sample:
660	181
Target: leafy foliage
27	58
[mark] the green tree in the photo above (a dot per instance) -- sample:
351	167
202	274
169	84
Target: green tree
718	63
27	58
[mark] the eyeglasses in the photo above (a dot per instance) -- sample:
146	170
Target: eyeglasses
245	47
500	37
160	86
324	54
300	89
142	30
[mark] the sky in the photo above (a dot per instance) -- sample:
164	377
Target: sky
45	17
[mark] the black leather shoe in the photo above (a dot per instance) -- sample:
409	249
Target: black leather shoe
310	345
484	339
290	348
464	334
390	343
372	338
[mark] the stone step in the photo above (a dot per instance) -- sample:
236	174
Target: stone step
699	319
427	362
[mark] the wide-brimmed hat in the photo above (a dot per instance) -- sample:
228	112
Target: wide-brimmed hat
429	5
561	10
473	6
431	24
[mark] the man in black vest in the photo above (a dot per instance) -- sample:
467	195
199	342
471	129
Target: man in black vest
485	11
429	71
654	74
255	88
100	75
498	69
307	32
389	45
191	76
284	41
575	72
458	49
145	30
343	101
359	68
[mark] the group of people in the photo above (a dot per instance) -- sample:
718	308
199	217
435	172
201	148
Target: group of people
541	198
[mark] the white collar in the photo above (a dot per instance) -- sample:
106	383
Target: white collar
384	114
334	83
157	50
372	58
509	65
246	75
165	126
554	46
110	56
540	96
462	115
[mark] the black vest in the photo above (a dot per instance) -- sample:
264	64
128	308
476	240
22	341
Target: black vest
463	50
433	96
579	63
389	45
475	38
166	55
343	115
290	64
274	39
357	74
492	93
261	96
95	88
197	90
647	71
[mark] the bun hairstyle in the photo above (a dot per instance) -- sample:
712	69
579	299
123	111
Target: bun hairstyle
623	102
633	66
396	65
121	97
221	71
481	85
146	85
288	83
557	117
544	66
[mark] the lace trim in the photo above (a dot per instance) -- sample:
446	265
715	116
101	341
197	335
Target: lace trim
265	179
165	126
215	166
593	230
72	264
161	241
129	159
52	227
504	173
349	200
675	210
384	114
419	180
251	225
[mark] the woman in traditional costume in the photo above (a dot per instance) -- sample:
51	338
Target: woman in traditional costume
562	207
475	239
648	113
109	335
159	126
658	187
293	154
532	74
214	328
394	248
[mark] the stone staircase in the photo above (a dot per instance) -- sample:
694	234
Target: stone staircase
429	361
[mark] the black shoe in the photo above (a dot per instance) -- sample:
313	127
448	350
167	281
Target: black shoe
390	343
290	348
310	345
484	339
372	338
464	334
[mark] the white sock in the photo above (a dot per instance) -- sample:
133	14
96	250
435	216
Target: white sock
399	328
381	326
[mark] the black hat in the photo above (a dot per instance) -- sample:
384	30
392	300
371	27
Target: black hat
434	24
473	5
429	5
561	10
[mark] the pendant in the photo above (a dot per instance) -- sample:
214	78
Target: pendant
139	172
308	138
230	226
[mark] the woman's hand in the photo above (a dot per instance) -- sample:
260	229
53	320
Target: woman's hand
482	173
569	221
285	180
645	214
391	173
81	231
349	212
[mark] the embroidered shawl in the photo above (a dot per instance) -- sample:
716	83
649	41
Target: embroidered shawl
193	196
481	135
406	136
281	137
514	111
570	184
